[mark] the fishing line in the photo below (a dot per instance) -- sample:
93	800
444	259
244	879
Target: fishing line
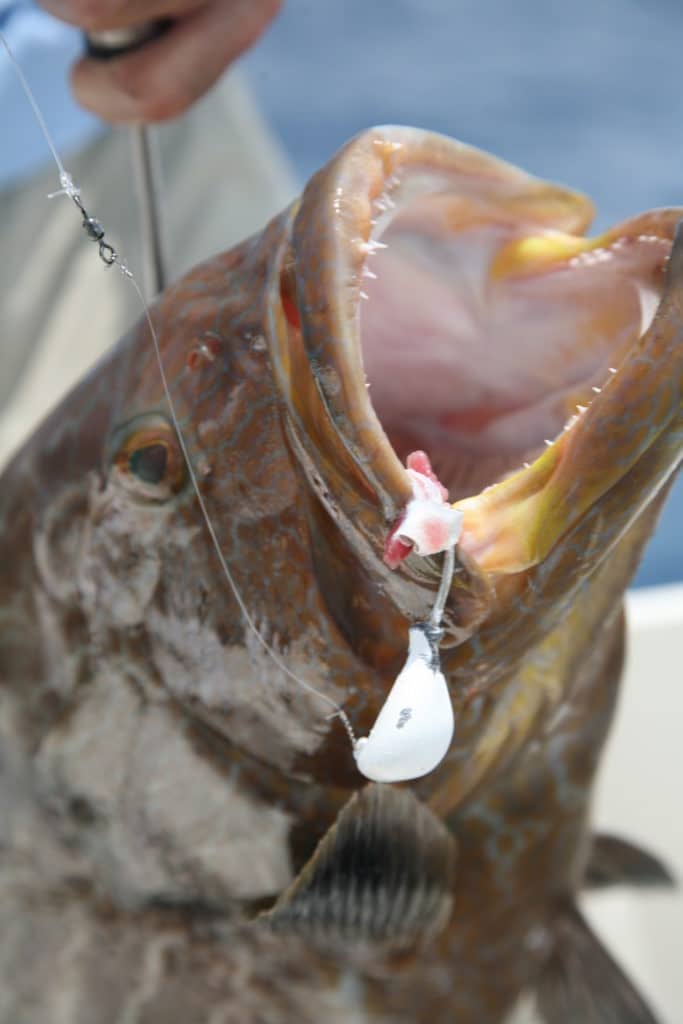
63	176
444	588
109	257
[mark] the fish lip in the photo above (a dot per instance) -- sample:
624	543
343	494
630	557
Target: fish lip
332	232
362	482
360	183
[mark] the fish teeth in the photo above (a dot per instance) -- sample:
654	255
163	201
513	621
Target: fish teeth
368	273
372	246
384	203
593	256
582	408
612	369
596	389
385	146
364	295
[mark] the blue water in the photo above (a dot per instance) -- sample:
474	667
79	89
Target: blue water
588	93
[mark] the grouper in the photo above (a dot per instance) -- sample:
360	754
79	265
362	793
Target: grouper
185	837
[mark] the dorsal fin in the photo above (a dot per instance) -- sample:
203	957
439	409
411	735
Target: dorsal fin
581	983
615	861
383	873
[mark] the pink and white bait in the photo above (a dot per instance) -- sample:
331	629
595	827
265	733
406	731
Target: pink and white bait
428	524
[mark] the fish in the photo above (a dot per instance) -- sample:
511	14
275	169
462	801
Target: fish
184	834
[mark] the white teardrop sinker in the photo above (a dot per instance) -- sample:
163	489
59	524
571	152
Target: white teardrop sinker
414	728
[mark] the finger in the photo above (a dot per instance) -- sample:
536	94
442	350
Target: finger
99	15
164	78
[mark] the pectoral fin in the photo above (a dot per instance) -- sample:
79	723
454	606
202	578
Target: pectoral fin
383	873
614	861
581	982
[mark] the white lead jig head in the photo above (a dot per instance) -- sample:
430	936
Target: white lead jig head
414	728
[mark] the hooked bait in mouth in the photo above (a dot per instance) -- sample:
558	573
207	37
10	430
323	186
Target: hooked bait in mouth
414	728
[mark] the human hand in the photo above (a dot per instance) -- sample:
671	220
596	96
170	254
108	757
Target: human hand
165	76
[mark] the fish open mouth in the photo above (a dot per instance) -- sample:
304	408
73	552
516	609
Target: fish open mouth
468	316
483	343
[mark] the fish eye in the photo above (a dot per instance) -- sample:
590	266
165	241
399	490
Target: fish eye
147	459
149	462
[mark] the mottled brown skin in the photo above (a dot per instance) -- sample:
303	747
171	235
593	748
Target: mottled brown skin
162	780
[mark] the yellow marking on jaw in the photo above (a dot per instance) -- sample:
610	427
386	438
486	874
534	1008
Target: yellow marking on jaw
537	253
501	525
